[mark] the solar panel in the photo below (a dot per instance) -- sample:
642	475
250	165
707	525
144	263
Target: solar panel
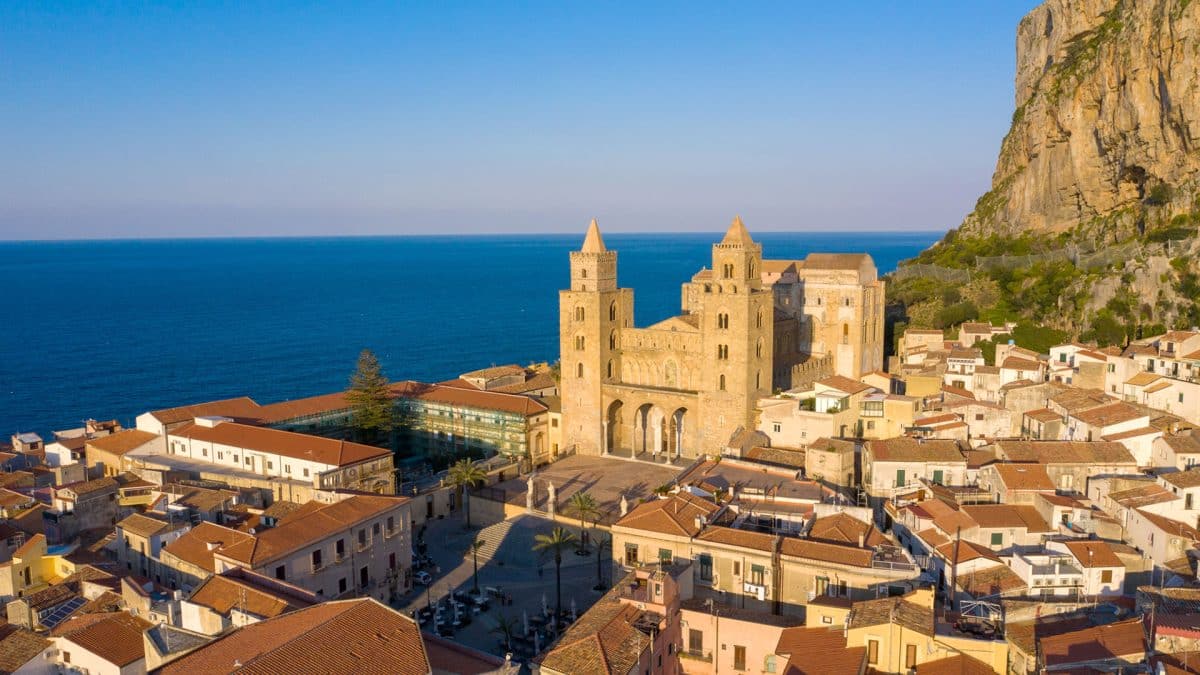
63	611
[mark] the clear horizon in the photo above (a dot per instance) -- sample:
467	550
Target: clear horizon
298	121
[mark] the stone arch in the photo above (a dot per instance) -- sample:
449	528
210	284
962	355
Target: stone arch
612	311
580	313
676	438
613	420
612	340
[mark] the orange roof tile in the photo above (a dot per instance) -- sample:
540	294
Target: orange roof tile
327	451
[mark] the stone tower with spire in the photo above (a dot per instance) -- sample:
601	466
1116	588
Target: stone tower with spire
591	315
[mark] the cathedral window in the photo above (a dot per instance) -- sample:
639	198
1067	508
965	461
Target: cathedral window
610	369
758	349
845	333
579	314
579	342
847	301
723	352
758	319
758	380
612	340
583	273
612	312
579	370
721	383
723	321
727	271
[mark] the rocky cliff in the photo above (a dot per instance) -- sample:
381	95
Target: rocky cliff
1090	226
1107	117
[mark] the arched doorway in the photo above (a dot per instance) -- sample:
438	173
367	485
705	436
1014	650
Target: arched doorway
656	430
612	426
675	439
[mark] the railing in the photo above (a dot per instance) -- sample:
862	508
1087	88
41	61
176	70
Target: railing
696	655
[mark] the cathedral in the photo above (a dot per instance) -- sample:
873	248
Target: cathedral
748	327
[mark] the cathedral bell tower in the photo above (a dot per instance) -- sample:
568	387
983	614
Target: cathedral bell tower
591	315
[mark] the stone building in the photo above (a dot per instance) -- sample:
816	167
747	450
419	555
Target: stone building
747	327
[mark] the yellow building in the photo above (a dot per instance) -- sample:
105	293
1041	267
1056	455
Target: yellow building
682	386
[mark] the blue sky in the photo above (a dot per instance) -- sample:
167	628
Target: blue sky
215	119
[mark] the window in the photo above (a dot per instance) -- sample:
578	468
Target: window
287	468
778	427
306	473
723	352
910	656
270	465
1187	501
612	312
631	554
281	573
706	567
937	476
391	524
316	559
1106	577
872	652
739	657
579	343
820	585
1181	397
375	529
721	383
66	657
695	641
235	459
758	575
579	313
665	556
579	370
997	539
737	568
340	548
900	478
362	537
342	585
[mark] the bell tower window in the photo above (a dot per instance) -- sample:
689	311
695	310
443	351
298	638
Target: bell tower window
579	370
721	383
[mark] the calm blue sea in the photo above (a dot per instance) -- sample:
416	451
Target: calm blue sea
109	329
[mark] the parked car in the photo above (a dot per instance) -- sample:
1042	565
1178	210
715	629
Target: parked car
423	578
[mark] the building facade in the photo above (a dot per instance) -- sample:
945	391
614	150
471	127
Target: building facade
747	327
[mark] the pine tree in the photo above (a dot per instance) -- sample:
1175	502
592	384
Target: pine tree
370	398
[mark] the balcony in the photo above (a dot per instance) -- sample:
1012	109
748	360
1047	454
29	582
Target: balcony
696	655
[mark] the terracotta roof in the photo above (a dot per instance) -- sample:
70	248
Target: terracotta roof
304	528
1183	479
1061	500
145	526
221	594
993	580
1025	476
932	538
1114	413
844	384
1142	379
1018	363
1065	452
604	640
729	536
1165	384
831	553
534	382
1024	634
966	551
448	656
469	398
790	457
913	450
1074	399
285	443
242	407
778	266
959	664
341	636
1182	444
88	487
1007	516
1143	495
1170	526
29	546
1132	433
896	610
193	547
842	528
1094	554
835	261
115	637
274	413
1110	641
818	651
1043	415
122	441
18	647
674	515
957	391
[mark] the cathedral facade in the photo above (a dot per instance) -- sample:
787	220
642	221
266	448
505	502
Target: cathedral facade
748	327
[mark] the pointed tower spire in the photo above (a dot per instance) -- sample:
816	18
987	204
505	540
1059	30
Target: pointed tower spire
737	233
593	242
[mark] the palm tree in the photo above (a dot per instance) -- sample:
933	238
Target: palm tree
463	475
506	628
584	505
557	542
601	542
475	546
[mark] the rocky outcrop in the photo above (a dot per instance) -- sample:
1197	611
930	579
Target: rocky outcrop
1107	119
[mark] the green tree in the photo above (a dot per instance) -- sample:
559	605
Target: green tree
601	541
506	628
462	476
475	546
584	505
556	542
370	399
